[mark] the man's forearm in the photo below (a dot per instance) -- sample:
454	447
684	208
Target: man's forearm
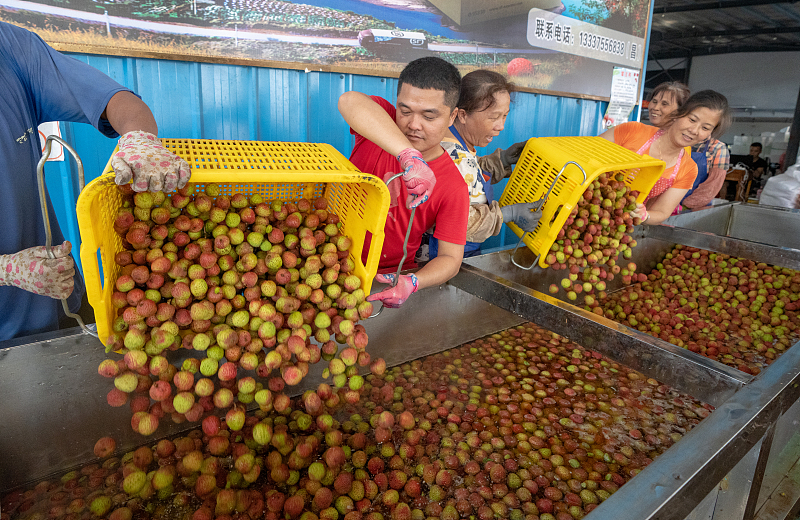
438	271
368	119
127	113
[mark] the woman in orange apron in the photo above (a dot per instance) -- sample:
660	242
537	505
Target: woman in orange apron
705	114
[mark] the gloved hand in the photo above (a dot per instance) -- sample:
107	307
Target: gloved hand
640	212
511	154
142	158
418	177
394	297
33	271
522	215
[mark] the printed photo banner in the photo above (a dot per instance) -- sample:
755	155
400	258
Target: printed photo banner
561	46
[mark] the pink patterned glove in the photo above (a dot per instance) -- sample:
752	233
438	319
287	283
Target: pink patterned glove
142	158
33	271
418	177
394	297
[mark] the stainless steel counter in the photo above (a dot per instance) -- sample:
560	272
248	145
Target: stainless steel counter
769	225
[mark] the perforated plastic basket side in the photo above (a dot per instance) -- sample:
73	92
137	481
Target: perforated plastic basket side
539	165
276	171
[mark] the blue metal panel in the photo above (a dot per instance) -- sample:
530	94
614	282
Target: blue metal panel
325	125
171	90
282	104
546	116
375	86
569	116
228	106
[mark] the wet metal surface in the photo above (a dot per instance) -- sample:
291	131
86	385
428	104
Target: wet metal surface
668	488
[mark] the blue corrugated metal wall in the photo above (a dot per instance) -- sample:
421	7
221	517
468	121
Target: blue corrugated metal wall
212	101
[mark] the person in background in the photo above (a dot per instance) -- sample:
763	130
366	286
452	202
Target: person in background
707	185
705	114
756	167
407	138
483	105
39	84
665	99
755	162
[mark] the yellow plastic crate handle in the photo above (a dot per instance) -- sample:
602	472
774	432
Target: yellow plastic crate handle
543	200
89	248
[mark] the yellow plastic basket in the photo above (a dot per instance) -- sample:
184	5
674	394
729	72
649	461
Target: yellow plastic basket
275	170
538	170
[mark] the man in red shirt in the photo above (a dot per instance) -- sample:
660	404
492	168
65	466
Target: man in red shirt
406	139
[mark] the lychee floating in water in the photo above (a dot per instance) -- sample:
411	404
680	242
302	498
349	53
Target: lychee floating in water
105	447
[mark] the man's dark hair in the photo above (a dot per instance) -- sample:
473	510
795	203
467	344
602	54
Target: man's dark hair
760	146
433	73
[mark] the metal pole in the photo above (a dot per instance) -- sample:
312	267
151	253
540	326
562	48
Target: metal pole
687	70
794	137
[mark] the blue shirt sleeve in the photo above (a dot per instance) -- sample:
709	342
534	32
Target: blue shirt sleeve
61	88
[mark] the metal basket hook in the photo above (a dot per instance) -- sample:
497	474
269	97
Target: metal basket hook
46	217
405	247
541	204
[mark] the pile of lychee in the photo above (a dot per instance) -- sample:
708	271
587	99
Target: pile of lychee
596	233
522	424
733	310
244	283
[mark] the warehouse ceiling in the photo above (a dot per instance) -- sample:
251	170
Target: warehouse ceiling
685	28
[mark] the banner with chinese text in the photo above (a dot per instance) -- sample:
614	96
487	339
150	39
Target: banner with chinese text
564	46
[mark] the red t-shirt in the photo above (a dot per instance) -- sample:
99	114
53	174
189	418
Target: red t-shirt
448	206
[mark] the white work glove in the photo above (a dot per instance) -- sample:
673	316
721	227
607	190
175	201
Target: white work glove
143	159
522	215
33	271
418	177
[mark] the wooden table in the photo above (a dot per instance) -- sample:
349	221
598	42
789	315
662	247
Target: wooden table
743	180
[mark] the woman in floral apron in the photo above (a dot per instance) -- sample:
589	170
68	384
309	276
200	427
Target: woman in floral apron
705	114
483	105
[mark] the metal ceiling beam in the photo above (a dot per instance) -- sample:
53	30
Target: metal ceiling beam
789	13
720	49
705	6
670	36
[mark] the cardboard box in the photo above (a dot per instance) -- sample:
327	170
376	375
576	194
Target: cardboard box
467	12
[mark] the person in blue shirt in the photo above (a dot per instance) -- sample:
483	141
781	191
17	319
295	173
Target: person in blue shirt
39	84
